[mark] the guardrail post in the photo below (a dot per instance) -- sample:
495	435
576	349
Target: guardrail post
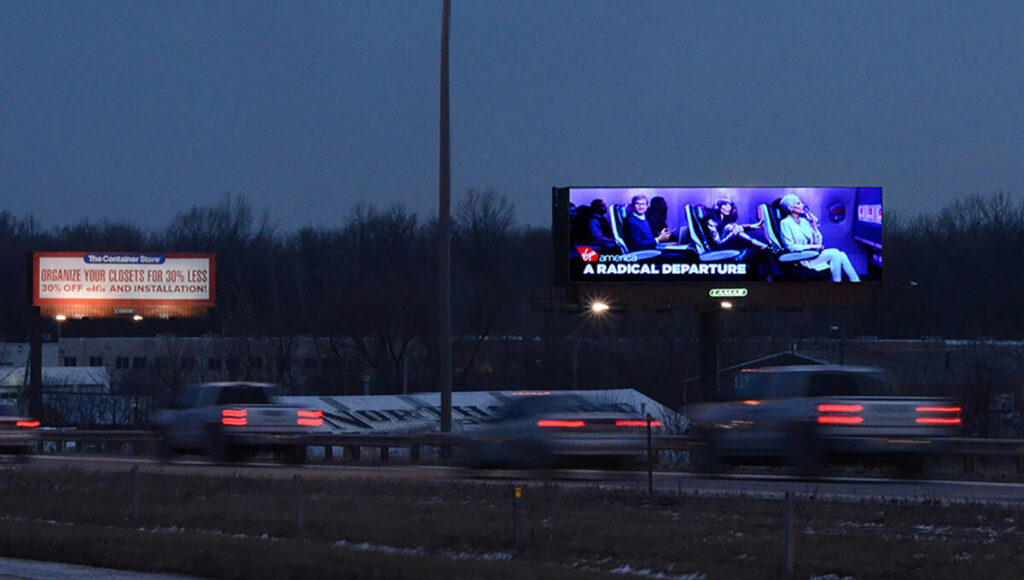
299	516
328	452
968	463
790	548
385	453
414	453
352	453
135	494
650	458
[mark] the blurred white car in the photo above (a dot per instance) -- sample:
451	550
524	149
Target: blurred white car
229	420
541	431
18	433
805	416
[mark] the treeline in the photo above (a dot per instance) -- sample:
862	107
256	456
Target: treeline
369	288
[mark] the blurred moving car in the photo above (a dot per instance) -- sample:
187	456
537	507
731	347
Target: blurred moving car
806	416
550	430
18	433
231	419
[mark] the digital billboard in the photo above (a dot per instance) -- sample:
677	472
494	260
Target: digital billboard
111	283
718	234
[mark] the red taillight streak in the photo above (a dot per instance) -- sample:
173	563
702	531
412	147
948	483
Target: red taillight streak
938	421
938	409
839	420
234	421
840	408
234	413
557	423
311	414
630	423
27	424
311	422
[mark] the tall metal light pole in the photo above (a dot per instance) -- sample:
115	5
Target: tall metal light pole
444	226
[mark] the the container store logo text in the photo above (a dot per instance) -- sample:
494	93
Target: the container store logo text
124	259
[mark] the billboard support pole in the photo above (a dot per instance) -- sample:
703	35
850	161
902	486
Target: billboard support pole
444	234
708	316
34	385
35	380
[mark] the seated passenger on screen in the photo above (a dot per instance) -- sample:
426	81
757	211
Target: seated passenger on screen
637	232
726	234
800	232
657	214
599	228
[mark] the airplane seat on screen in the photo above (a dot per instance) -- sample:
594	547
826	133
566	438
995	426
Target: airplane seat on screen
618	212
771	215
697	220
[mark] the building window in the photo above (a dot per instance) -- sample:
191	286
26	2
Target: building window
213	364
70	361
138	362
121	362
95	361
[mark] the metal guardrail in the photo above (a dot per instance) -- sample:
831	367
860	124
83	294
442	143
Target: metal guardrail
137	442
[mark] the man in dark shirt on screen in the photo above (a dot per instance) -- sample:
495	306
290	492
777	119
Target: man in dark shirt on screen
636	230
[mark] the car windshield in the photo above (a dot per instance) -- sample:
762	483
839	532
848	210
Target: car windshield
839	384
824	383
244	396
539	405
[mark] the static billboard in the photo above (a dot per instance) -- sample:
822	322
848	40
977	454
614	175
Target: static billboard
123	280
718	234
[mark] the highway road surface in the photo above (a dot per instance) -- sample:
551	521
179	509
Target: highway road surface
668	482
15	569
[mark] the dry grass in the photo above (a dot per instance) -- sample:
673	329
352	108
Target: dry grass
464	529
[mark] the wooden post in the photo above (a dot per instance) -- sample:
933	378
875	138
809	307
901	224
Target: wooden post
517	524
299	516
790	549
135	494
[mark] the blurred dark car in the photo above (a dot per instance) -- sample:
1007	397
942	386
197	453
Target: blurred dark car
806	416
18	433
542	431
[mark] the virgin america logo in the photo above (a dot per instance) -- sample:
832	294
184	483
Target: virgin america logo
588	254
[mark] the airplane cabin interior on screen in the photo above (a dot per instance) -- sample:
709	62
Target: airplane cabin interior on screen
765	234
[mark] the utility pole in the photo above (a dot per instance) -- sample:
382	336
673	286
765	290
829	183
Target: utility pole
708	316
444	226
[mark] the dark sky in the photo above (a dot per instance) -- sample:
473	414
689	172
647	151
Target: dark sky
134	110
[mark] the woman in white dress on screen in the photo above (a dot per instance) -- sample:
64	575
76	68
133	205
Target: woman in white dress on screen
800	232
